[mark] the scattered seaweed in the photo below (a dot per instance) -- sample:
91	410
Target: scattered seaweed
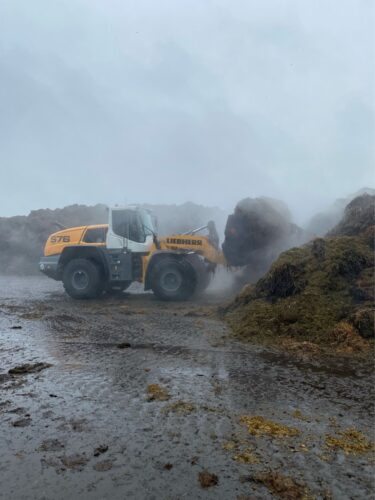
300	416
156	392
284	487
242	452
259	426
351	441
230	445
180	407
246	457
207	479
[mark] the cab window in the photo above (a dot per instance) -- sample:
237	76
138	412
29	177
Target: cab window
95	235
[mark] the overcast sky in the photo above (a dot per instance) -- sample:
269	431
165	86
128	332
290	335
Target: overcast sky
167	101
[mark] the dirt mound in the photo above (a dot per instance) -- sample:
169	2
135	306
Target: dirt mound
321	292
256	233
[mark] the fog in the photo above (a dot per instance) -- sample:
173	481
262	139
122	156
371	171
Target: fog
168	102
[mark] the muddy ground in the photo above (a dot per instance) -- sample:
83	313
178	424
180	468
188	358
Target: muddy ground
142	399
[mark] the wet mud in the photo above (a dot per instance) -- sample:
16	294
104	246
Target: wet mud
129	397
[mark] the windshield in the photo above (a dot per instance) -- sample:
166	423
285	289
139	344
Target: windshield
147	222
134	225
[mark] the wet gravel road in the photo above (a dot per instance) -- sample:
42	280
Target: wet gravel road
142	397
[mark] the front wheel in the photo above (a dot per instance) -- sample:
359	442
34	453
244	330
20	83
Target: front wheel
172	280
82	279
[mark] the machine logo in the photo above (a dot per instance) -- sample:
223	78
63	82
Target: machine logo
180	241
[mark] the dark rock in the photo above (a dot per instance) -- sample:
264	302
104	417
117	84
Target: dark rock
22	422
100	449
124	345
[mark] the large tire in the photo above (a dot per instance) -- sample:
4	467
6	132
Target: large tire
172	280
82	279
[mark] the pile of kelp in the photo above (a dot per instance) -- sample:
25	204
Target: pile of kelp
321	293
256	233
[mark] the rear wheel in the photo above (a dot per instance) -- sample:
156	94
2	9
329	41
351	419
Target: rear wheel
172	280
82	279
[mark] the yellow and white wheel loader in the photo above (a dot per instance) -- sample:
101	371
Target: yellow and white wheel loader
90	260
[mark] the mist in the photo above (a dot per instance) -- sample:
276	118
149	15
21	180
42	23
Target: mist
165	102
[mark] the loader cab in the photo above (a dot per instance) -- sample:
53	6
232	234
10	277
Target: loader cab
130	228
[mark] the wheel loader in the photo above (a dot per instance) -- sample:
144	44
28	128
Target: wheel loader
91	260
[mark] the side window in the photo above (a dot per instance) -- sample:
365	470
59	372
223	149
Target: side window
120	223
95	235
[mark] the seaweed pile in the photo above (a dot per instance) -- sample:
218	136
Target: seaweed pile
256	233
326	220
319	293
